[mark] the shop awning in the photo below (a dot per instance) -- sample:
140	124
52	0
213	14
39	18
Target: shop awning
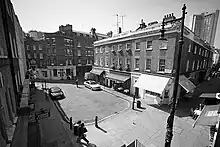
152	83
97	71
208	95
208	116
117	77
186	83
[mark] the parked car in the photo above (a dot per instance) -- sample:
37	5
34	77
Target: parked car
56	93
92	85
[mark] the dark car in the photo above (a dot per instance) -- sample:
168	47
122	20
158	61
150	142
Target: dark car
56	93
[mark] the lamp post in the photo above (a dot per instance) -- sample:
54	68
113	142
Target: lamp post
170	119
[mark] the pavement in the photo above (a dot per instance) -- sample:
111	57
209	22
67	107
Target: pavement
84	104
54	132
148	125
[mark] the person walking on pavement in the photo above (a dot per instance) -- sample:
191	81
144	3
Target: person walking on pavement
82	131
77	83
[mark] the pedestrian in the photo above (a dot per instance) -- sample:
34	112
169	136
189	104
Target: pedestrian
77	82
82	131
76	128
133	102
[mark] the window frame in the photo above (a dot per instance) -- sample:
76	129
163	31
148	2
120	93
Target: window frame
187	65
106	61
193	65
34	47
41	57
151	47
195	49
137	45
162	66
189	48
135	63
79	54
147	66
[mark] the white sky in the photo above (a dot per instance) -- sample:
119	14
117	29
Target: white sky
48	15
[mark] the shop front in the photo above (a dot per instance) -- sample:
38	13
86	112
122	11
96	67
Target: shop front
119	81
98	75
154	89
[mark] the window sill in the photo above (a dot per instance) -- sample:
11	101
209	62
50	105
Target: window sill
149	49
163	48
136	69
161	72
137	49
147	70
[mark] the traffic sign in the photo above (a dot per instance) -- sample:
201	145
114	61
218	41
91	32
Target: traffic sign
42	114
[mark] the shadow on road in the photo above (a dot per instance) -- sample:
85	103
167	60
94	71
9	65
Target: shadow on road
101	129
137	110
142	108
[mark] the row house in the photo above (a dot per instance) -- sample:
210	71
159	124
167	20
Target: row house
35	53
64	54
138	63
12	70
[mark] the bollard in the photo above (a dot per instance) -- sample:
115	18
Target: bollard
96	121
71	123
133	102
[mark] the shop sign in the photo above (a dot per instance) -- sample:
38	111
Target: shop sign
42	114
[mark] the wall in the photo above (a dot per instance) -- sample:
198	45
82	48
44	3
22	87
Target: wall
21	50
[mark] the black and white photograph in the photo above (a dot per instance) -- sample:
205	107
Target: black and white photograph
109	73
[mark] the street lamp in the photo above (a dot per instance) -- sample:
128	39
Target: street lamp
170	119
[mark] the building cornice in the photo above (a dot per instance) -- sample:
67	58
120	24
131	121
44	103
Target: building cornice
171	28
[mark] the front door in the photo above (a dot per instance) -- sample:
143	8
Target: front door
136	92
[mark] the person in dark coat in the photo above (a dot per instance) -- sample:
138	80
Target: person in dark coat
77	83
76	128
82	130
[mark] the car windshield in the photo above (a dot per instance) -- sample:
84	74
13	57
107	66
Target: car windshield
92	82
55	89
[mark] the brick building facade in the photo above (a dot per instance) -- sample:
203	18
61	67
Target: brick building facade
143	65
12	70
64	54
